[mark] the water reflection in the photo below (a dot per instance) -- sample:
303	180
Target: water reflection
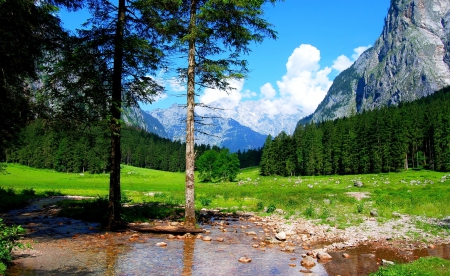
188	256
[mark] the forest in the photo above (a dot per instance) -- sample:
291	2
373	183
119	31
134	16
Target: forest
413	135
86	149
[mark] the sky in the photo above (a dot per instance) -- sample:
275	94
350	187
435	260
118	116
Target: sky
316	41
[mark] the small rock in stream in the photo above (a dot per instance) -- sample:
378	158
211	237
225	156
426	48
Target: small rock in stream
245	260
308	261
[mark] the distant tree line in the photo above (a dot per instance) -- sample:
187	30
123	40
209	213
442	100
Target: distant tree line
66	149
409	136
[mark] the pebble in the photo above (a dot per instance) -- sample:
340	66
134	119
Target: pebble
207	238
324	256
245	260
281	236
308	261
161	244
346	255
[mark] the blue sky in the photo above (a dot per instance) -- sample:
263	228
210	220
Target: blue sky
316	40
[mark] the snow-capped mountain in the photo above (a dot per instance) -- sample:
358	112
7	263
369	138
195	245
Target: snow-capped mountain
211	128
254	115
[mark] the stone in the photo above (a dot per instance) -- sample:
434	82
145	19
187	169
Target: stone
251	233
171	237
374	213
292	265
281	236
346	255
431	246
199	236
206	238
173	223
245	260
324	256
289	249
386	262
161	244
358	183
220	239
308	261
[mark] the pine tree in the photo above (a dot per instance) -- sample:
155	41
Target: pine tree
208	30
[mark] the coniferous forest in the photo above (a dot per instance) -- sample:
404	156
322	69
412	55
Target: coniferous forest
67	149
412	135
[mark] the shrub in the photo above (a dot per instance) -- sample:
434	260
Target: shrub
271	208
9	236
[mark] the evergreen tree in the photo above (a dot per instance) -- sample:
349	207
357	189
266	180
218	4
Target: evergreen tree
207	31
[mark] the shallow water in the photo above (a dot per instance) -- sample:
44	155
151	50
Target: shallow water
82	249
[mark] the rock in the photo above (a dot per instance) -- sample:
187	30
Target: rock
346	255
308	261
251	233
323	256
134	236
173	223
161	244
386	262
374	213
245	260
292	265
206	238
171	237
220	239
255	246
281	236
289	249
397	215
358	183
431	246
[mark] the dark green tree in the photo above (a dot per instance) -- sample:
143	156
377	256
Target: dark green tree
213	34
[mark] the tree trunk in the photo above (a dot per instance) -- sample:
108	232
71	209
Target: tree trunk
190	154
114	207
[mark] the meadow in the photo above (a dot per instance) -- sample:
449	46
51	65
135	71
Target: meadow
325	199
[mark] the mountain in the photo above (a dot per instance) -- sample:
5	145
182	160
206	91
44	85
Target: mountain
253	114
211	129
410	60
134	116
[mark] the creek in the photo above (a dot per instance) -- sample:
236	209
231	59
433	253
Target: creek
62	246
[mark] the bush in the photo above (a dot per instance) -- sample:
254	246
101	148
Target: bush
205	201
271	208
9	237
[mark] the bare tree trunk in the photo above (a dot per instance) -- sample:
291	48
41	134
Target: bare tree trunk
114	208
190	154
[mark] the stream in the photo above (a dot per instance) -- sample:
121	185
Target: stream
63	246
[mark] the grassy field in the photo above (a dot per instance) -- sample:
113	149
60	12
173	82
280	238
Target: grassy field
323	198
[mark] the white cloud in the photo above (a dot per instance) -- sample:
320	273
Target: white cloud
304	85
235	96
267	91
358	51
343	62
176	86
300	90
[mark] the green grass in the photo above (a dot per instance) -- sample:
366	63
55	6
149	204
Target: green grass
429	266
322	198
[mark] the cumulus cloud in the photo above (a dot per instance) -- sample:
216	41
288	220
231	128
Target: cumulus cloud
300	90
343	62
235	96
303	86
268	91
176	86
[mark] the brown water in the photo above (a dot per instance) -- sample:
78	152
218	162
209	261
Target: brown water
85	250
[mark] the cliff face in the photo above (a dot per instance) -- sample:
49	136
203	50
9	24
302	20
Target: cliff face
410	60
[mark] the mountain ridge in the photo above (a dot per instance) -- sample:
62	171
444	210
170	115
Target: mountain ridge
409	60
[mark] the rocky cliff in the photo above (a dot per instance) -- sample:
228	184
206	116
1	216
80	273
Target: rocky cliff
410	60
